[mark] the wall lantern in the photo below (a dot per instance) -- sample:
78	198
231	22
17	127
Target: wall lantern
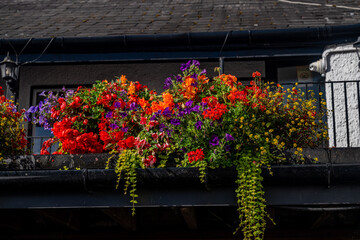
10	73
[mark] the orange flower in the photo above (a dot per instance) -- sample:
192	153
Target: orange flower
203	79
190	90
228	79
123	79
143	103
155	106
131	89
168	101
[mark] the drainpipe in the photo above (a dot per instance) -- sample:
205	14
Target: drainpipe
321	65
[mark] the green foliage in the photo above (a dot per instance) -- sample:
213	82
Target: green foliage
250	198
126	166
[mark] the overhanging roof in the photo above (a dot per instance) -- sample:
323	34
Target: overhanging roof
243	44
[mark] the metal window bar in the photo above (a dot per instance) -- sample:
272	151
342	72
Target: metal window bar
35	144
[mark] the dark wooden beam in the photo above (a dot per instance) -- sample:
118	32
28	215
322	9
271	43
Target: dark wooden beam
65	217
122	216
189	215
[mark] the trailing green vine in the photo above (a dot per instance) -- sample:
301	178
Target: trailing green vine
250	199
126	165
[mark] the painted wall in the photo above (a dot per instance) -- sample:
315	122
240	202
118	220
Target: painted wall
341	65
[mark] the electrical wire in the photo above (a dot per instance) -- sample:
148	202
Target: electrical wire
47	46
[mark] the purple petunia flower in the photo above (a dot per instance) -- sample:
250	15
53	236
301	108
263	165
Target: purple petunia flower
27	116
117	104
183	67
166	112
183	150
214	140
109	114
179	78
124	129
32	109
42	119
168	83
203	72
186	111
168	131
189	103
42	94
123	114
114	126
69	92
194	76
196	63
198	125
203	104
227	148
228	137
133	106
47	126
161	127
175	122
196	109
